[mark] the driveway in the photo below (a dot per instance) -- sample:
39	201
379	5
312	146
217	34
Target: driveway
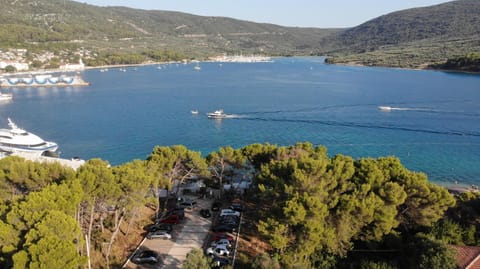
190	234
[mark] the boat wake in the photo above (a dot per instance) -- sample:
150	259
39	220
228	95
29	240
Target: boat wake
368	126
389	108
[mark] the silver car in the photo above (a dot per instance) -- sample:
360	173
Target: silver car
159	234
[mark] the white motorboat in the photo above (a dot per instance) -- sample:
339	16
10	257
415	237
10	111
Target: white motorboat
6	96
16	140
218	114
194	112
385	108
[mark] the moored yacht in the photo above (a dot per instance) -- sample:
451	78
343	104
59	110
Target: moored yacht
17	140
5	96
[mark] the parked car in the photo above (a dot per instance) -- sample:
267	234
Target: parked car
188	204
222	235
146	256
228	211
219	262
229	218
216	206
224	228
177	211
205	213
237	207
159	234
172	219
159	227
221	242
220	251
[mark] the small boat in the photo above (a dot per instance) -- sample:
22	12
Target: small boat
385	108
218	114
6	96
197	67
194	112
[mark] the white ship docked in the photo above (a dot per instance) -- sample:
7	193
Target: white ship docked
16	140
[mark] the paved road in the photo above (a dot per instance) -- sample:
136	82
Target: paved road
191	233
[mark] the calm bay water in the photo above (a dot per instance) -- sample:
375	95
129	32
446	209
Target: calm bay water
434	126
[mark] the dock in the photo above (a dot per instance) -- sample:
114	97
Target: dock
73	163
43	81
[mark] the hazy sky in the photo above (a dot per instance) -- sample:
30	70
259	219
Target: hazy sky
304	13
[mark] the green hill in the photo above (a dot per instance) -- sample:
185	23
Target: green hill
412	38
46	21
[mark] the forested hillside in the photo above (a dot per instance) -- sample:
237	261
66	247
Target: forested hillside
412	38
39	21
307	209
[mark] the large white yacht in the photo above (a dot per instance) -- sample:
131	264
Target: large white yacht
16	140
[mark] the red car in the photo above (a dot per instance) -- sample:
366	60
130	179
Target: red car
218	236
172	219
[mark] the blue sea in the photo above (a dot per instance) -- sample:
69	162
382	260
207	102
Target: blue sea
433	126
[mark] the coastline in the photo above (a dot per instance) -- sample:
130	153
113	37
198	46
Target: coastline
420	68
148	63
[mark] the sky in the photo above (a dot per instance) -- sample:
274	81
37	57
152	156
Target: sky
301	13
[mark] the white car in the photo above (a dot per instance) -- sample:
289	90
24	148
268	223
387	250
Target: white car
221	242
229	212
218	250
159	234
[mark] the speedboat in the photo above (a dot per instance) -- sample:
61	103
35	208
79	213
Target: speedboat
16	140
385	108
218	114
194	112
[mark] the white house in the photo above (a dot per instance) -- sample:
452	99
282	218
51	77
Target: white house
18	66
73	67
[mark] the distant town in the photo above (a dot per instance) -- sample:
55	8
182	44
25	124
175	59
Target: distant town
22	60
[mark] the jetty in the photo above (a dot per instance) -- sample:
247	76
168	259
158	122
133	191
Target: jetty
73	163
43	81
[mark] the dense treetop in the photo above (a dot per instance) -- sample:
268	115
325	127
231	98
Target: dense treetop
314	210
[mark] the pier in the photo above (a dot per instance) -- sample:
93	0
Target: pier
72	163
43	81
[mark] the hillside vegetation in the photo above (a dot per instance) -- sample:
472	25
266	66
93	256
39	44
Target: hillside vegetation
33	23
412	38
308	209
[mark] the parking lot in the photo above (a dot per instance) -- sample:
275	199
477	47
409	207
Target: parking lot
191	233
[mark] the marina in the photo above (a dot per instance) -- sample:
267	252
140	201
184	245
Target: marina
122	116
